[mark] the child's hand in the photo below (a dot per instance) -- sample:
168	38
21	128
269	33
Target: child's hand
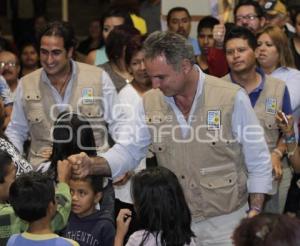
123	221
64	171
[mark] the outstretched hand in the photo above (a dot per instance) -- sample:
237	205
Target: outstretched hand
81	165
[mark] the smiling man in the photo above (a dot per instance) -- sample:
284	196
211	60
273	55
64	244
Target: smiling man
61	84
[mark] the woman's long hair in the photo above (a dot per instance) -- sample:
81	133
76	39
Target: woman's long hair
281	43
161	206
72	134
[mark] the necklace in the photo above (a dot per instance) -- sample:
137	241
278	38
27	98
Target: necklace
61	89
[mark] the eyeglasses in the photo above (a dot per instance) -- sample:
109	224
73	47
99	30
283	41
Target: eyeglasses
240	18
9	64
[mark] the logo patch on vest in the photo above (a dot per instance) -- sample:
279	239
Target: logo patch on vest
87	96
213	119
271	105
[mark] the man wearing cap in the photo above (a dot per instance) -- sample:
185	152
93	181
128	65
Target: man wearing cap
248	14
276	15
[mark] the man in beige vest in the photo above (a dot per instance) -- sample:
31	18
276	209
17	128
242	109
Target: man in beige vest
60	85
202	129
267	95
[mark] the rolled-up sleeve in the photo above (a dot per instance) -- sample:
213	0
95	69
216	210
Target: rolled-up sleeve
251	136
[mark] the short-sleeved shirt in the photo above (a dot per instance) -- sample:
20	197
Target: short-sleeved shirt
30	239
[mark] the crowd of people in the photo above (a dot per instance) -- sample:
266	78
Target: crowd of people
135	137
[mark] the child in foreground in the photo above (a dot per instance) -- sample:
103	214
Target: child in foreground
161	211
268	230
87	225
32	197
10	223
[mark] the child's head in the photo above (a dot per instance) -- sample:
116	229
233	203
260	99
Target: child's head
86	193
161	206
72	134
7	175
32	196
268	230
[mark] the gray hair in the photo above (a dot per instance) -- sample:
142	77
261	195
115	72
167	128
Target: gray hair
172	45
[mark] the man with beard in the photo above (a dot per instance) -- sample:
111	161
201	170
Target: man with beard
179	21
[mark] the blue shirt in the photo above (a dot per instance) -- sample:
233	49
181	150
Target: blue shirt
254	95
29	239
5	92
196	47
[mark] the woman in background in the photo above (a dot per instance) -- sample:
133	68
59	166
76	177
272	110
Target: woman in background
29	59
116	44
111	18
275	58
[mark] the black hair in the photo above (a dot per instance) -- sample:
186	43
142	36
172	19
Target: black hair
207	22
296	12
26	44
257	8
30	195
133	47
243	33
161	206
116	12
60	29
95	181
117	40
72	134
177	9
268	230
5	162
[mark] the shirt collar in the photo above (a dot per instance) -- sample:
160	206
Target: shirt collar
199	86
261	84
45	78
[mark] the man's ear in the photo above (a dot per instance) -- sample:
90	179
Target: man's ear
70	52
186	66
256	53
262	21
52	207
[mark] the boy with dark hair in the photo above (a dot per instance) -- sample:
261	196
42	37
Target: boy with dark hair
212	59
9	222
32	197
267	96
87	225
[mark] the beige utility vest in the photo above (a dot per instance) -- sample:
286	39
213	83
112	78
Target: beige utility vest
41	112
268	102
209	163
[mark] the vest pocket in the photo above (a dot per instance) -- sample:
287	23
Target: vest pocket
163	153
219	189
90	111
271	132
